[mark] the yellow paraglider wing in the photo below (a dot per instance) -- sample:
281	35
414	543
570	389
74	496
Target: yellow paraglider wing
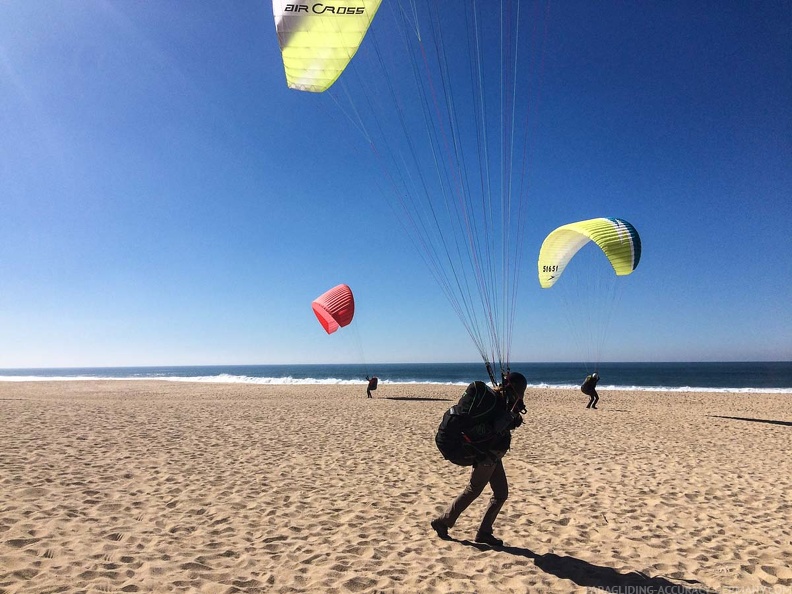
617	238
318	39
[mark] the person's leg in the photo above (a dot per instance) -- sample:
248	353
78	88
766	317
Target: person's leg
500	492
595	399
478	480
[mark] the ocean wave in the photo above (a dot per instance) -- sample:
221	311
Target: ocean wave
672	389
226	378
223	378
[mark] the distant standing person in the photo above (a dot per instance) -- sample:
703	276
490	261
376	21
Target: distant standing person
372	385
589	388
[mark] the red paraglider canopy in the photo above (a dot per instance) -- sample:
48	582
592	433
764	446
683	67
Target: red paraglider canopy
335	308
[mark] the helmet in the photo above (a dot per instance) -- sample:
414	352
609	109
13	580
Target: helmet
517	382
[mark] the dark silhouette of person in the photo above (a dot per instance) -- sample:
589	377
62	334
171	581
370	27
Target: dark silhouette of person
372	385
488	468
589	388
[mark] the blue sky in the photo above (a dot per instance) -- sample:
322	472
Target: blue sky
166	200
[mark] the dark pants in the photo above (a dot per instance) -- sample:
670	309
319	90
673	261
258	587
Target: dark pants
495	475
593	399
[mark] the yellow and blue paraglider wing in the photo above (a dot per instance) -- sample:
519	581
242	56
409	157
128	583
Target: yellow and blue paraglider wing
318	39
617	238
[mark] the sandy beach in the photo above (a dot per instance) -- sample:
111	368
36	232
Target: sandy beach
155	486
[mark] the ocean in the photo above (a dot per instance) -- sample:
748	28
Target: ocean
711	377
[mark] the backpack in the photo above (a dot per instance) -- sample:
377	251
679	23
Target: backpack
589	385
471	427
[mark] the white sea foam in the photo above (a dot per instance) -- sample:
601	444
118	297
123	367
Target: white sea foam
226	378
602	388
222	378
65	378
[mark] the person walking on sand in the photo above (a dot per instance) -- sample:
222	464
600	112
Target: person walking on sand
488	465
589	388
372	385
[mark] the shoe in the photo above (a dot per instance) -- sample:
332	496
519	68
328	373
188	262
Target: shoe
489	538
441	529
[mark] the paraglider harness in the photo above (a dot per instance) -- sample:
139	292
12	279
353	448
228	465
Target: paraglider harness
372	385
590	384
478	425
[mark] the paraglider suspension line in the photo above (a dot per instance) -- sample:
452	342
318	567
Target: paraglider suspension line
491	373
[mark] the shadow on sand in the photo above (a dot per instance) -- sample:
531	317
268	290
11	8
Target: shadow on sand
589	575
768	421
417	398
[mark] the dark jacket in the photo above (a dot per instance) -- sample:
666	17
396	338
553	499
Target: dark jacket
478	428
590	384
491	429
